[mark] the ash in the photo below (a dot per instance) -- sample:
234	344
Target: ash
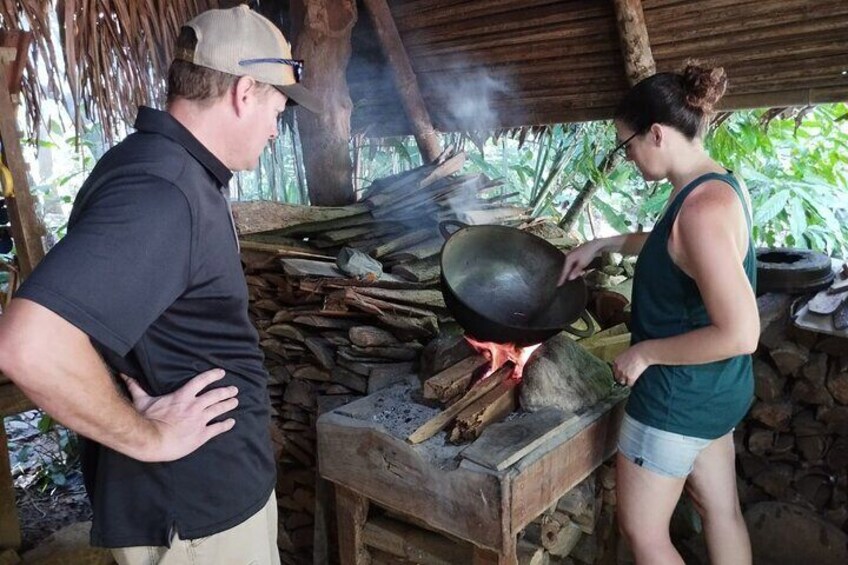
400	410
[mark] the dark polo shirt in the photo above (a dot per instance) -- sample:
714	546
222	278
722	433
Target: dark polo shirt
150	271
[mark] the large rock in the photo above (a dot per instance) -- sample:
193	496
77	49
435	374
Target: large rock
790	535
562	374
68	545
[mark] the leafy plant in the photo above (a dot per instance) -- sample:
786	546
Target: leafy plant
45	454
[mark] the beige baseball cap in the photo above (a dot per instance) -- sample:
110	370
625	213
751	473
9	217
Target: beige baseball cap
241	42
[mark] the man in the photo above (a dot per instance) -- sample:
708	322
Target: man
148	280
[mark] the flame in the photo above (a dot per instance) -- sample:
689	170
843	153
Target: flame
500	353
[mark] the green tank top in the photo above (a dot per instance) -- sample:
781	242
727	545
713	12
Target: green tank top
704	401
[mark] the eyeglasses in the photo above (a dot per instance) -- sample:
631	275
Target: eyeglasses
295	64
623	144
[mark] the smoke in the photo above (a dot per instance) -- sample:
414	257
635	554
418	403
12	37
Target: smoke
466	101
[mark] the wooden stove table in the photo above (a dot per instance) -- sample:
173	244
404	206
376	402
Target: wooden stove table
485	507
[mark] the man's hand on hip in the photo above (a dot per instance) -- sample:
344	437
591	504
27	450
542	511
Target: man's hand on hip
181	419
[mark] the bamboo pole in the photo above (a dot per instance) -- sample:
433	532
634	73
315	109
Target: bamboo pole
407	84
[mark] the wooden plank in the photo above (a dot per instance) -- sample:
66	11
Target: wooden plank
377	306
283	250
308	268
427	248
504	443
425	270
444	418
371	336
10	528
351	514
543	476
12	400
391	473
416	544
431	298
402	242
265	216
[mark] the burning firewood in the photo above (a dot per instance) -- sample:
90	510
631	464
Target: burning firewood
454	380
491	407
444	418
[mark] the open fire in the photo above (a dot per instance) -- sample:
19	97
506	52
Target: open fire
500	353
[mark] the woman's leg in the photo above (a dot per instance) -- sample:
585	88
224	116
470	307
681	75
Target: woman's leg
645	502
712	486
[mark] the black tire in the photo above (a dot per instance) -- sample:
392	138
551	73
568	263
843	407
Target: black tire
791	270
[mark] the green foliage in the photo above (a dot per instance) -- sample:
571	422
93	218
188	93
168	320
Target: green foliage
794	162
796	169
45	456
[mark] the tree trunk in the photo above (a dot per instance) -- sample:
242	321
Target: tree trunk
323	42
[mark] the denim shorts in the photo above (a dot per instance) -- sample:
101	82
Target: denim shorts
664	453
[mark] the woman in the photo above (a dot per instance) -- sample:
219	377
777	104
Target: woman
694	324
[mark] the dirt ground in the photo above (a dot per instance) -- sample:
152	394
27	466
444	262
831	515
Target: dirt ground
48	482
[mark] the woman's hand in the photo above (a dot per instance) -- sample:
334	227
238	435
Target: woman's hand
577	260
629	365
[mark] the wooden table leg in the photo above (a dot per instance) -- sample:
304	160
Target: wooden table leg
351	514
10	528
489	557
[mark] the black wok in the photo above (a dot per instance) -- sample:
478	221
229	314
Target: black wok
500	285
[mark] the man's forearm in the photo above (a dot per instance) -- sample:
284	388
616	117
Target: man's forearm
65	376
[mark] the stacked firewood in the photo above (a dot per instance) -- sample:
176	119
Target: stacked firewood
396	222
793	445
579	528
329	336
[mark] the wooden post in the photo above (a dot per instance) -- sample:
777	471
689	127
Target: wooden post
17	42
489	557
407	84
27	230
351	513
323	42
10	529
638	64
633	39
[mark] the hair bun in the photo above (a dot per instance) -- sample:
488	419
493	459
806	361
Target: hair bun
703	86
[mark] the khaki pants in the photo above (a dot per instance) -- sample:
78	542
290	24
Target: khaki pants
253	542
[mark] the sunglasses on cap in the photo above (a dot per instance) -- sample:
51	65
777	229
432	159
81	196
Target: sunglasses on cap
295	64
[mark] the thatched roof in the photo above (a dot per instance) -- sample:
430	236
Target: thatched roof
523	61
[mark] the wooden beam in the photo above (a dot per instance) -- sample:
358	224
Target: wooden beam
10	528
633	38
351	513
407	84
408	542
15	59
12	400
27	230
